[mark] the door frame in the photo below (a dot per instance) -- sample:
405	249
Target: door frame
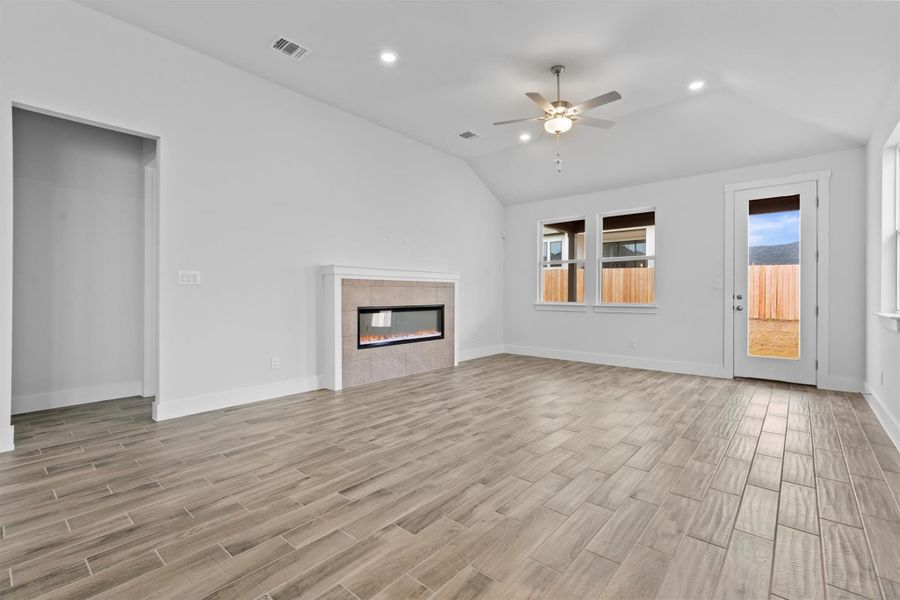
150	370
822	179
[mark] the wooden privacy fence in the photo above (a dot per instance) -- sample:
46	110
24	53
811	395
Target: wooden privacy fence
628	286
620	286
556	285
773	292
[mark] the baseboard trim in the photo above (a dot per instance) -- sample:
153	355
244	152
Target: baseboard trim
191	405
7	438
840	384
632	362
474	353
888	421
71	397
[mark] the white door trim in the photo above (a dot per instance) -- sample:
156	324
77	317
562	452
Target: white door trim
822	180
150	380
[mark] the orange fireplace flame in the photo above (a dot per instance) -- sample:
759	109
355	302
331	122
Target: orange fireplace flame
375	339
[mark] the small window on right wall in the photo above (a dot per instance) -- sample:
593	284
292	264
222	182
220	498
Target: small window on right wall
627	258
897	228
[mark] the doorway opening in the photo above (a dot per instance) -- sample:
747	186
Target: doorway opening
85	249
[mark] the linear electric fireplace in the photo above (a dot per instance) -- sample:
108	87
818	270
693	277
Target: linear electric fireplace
390	325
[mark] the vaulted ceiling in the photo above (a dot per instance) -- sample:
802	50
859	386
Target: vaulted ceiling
784	79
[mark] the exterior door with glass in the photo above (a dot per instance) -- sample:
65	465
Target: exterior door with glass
775	253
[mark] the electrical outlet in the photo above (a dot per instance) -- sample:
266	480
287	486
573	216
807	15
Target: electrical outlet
276	362
632	343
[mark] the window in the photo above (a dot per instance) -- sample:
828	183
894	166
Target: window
562	261
554	246
627	258
897	227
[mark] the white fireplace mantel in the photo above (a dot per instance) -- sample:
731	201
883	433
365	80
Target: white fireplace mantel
333	276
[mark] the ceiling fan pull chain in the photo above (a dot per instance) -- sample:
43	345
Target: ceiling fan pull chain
557	164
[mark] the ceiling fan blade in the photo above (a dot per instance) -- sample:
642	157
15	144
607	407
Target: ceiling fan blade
595	102
518	121
540	101
601	123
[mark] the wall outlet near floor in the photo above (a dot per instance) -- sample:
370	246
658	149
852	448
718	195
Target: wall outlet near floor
276	362
632	343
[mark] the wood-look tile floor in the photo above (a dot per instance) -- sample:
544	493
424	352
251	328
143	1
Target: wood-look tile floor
508	477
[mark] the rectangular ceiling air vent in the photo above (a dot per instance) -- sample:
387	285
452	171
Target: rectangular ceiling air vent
292	49
469	135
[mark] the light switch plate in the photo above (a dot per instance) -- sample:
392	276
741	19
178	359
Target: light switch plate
188	277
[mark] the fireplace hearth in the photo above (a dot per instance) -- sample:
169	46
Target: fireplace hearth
390	325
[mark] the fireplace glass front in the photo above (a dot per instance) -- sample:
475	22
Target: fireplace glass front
389	325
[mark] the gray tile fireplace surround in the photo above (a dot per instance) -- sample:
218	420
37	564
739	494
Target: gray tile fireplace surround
365	365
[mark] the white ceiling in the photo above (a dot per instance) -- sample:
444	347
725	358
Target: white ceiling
785	79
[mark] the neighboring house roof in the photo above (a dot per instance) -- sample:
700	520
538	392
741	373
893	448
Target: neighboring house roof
781	254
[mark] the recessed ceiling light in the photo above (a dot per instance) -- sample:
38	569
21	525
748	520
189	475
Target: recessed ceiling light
388	56
525	137
696	85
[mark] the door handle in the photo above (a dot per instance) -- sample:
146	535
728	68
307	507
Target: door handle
738	307
739	297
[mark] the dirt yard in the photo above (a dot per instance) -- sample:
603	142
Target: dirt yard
769	337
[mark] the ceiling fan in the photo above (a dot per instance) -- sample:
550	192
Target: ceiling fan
559	116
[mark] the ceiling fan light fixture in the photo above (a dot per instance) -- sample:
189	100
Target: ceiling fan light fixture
558	125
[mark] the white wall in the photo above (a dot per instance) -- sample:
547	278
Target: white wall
78	305
259	186
687	332
882	343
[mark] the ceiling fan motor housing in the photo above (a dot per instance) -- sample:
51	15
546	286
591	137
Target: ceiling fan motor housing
561	106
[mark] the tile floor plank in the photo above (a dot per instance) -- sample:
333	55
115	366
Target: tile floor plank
758	512
715	517
848	564
797	572
694	571
747	568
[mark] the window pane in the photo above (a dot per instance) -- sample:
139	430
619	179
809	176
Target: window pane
562	284
556	250
772	305
629	235
628	282
565	240
629	242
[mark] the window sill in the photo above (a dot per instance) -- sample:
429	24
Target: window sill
890	321
561	306
635	309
